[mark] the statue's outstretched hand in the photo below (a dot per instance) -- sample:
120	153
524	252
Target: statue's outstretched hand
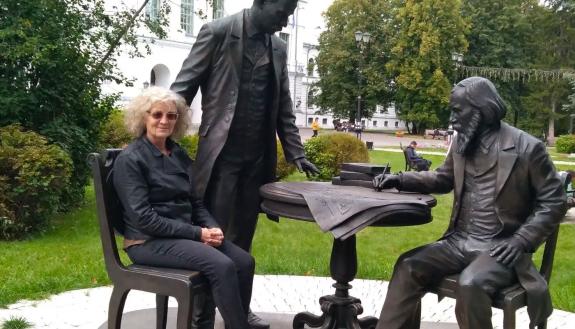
385	181
305	166
508	251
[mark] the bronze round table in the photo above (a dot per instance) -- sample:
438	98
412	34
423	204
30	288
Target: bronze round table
340	310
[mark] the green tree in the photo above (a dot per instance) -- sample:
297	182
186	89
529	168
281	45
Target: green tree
499	36
341	65
54	56
429	31
570	106
553	34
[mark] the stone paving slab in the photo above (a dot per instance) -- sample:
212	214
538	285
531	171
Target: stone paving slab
273	294
145	319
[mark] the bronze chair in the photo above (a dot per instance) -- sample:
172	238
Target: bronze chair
186	286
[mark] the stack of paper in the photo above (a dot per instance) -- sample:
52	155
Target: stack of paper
359	174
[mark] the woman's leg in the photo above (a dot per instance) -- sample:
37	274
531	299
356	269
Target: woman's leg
245	266
219	269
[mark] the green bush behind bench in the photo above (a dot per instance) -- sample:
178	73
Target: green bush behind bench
33	178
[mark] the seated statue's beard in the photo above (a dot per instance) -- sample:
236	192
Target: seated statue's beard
465	138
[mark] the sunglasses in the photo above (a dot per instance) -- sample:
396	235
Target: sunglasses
158	115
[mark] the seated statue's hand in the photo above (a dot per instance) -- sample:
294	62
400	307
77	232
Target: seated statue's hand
508	251
303	165
385	181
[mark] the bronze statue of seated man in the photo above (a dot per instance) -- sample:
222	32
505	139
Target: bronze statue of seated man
508	199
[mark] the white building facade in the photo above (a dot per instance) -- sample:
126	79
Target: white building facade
163	64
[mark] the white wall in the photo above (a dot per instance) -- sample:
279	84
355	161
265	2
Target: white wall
167	55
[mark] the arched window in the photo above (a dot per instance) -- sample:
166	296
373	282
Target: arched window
160	76
310	99
310	67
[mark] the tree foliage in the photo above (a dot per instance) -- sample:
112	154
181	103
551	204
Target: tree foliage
429	31
341	65
412	65
552	45
500	36
53	62
570	106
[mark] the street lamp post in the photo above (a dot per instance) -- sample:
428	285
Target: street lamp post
362	40
457	59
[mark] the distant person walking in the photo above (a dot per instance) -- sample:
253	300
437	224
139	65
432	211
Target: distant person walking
358	128
315	127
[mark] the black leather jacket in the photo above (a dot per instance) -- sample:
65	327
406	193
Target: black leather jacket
156	193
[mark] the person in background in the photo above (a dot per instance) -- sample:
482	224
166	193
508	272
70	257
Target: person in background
508	199
415	159
166	226
315	127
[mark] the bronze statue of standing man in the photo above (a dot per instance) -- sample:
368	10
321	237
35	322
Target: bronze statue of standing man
508	199
240	66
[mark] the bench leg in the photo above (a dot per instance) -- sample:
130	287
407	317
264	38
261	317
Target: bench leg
116	307
161	311
185	311
508	318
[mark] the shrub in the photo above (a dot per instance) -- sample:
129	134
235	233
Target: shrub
329	151
114	133
33	178
565	144
190	144
283	169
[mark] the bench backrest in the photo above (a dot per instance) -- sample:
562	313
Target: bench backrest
108	207
408	165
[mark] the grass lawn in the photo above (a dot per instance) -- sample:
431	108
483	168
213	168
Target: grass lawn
68	256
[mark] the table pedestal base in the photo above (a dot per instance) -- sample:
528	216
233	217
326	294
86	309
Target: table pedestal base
339	311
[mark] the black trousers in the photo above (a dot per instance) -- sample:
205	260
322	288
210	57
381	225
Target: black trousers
228	269
233	196
422	164
480	277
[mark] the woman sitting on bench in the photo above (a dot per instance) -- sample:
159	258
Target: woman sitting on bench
165	225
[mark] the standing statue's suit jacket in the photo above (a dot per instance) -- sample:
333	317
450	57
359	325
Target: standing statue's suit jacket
214	65
530	201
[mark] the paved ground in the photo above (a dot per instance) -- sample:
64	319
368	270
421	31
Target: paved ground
277	298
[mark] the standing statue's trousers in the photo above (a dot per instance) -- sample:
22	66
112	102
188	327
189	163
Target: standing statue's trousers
233	197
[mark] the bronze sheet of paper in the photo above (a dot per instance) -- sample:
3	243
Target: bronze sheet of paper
331	207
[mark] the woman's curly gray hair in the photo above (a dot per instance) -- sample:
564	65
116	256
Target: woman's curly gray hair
137	110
